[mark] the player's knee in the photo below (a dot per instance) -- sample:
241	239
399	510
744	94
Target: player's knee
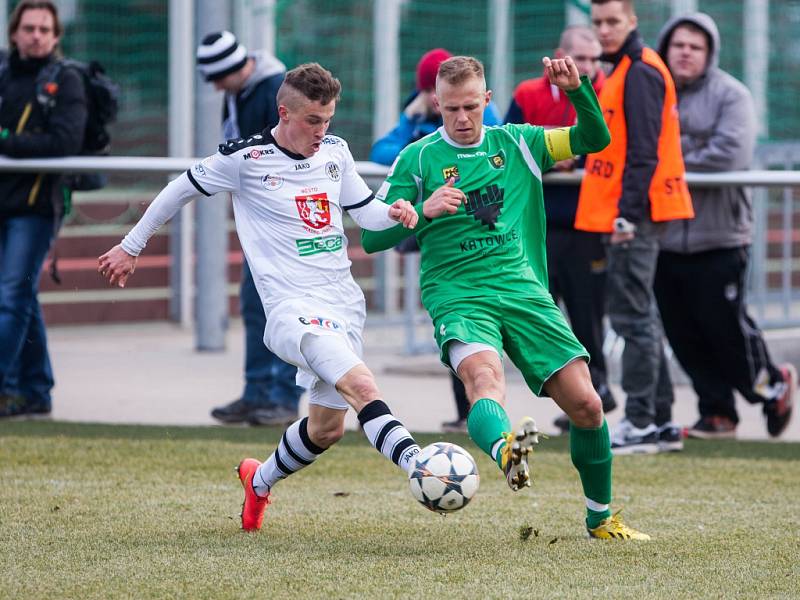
483	376
360	386
327	434
587	410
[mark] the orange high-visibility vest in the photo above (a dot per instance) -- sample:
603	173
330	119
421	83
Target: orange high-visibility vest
602	182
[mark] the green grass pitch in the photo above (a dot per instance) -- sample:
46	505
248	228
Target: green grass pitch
92	511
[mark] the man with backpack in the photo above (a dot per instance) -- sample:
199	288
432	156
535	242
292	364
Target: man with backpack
39	117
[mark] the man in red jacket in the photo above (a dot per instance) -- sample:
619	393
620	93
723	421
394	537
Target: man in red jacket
575	259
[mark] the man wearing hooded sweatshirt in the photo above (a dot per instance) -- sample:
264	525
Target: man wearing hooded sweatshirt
250	83
700	279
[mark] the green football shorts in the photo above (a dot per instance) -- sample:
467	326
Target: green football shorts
530	329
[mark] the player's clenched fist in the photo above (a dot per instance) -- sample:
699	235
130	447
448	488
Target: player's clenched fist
403	212
562	72
446	199
116	265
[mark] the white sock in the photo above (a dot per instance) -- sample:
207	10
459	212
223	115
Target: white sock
387	434
294	452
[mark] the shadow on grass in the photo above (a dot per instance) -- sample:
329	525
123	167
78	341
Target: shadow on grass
723	449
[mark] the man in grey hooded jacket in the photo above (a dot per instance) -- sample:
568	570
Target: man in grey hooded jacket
700	279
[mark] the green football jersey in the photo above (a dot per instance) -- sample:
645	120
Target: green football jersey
496	239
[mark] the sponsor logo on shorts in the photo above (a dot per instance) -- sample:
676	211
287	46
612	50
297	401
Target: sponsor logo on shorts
498	161
314	209
328	243
199	169
320	322
272	182
449	173
332	171
442	329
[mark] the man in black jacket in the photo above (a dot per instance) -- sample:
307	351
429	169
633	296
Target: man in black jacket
250	83
42	114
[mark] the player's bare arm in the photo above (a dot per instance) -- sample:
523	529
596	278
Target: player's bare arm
116	265
446	199
562	72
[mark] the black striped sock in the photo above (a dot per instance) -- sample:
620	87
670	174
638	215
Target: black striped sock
387	434
294	452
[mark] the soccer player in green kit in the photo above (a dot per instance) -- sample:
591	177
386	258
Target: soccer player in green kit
483	275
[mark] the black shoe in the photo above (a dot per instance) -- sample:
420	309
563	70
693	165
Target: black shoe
14	406
457	426
713	427
237	411
670	437
779	411
272	415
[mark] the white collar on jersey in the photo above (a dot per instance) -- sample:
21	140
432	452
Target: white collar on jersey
452	142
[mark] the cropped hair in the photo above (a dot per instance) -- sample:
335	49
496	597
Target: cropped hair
627	4
458	69
314	82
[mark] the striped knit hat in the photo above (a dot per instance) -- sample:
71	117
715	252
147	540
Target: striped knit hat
219	55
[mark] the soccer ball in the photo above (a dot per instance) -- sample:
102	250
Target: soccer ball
444	477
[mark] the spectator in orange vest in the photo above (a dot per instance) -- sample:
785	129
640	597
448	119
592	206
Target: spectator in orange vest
705	260
576	262
630	189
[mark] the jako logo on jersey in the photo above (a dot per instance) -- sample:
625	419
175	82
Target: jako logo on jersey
256	154
498	161
314	209
451	173
320	322
301	166
272	182
332	171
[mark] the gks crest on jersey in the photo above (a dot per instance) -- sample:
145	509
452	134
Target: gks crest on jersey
314	209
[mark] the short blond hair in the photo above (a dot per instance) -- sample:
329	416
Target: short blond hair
458	69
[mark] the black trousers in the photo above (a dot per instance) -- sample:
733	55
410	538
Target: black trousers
576	267
701	297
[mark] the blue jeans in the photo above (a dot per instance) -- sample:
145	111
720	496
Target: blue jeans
268	380
24	361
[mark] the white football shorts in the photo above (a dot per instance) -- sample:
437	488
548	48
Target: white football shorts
292	320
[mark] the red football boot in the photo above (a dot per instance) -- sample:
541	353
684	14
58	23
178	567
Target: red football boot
254	505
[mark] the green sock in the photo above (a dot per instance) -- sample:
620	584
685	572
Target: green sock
590	450
486	423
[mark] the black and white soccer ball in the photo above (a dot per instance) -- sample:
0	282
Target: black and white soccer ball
444	477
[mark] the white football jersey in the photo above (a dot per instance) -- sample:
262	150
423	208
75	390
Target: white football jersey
288	212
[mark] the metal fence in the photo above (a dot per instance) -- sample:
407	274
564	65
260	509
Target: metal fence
775	276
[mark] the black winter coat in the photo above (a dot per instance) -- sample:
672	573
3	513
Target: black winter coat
40	134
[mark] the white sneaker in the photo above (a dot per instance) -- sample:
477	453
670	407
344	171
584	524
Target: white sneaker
629	439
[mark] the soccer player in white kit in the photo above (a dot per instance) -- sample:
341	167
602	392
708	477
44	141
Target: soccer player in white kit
290	186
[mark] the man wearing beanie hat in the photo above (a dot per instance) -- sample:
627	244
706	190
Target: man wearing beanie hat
250	83
420	117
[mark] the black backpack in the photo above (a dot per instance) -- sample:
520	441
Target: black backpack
102	96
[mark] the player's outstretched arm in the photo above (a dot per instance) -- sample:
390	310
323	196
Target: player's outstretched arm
119	263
